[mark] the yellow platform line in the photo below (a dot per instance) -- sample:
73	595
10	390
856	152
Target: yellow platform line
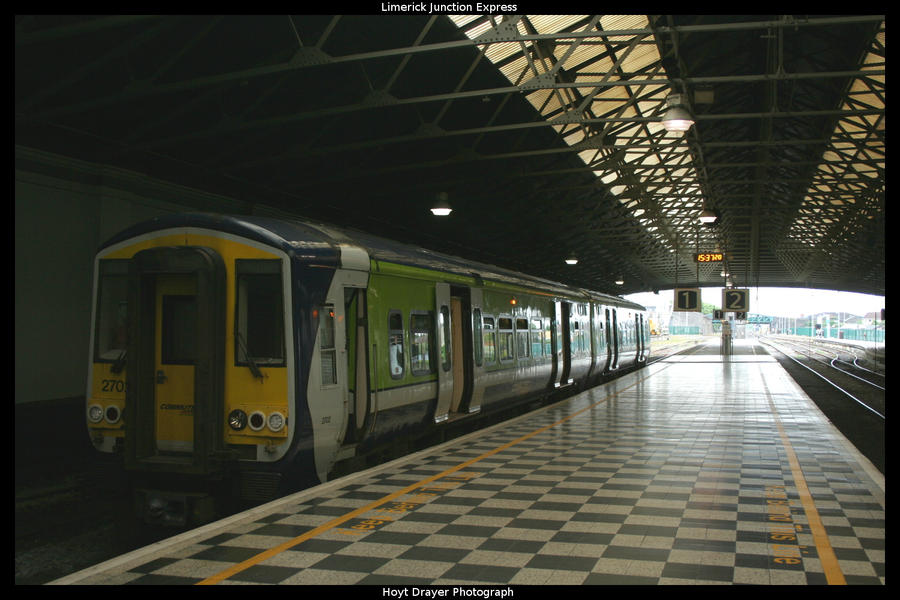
833	573
255	560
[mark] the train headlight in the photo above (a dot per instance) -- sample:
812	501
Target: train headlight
257	421
95	413
237	419
112	414
276	421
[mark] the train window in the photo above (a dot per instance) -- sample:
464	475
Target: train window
536	345
620	332
327	350
505	342
522	348
490	345
573	335
259	313
179	330
478	344
587	334
444	318
601	335
111	335
395	343
420	348
548	338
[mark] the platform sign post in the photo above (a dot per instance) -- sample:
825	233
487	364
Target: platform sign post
736	300
687	299
726	346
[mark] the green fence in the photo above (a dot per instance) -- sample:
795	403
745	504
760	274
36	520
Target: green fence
861	335
684	330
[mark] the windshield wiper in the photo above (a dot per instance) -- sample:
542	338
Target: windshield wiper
251	364
120	363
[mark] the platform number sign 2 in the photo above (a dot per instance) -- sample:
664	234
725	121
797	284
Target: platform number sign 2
735	300
687	299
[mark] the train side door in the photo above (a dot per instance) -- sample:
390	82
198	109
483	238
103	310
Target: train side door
564	339
357	357
617	337
444	339
602	339
639	334
593	341
612	340
338	402
456	353
478	380
456	348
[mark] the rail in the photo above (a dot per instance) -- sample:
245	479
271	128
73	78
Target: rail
825	379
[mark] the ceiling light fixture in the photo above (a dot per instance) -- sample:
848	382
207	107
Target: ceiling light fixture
442	207
677	117
620	280
708	217
572	260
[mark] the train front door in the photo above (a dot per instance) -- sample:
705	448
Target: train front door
176	355
175	359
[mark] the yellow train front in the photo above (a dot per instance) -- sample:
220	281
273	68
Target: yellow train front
241	358
194	369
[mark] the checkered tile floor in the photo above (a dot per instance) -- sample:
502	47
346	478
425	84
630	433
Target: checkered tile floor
682	477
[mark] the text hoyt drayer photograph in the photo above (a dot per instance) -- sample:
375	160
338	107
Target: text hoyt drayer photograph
404	592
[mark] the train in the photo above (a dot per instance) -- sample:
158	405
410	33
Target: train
247	356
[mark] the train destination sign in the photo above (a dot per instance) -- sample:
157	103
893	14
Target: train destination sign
706	257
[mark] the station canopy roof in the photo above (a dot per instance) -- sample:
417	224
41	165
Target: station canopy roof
542	132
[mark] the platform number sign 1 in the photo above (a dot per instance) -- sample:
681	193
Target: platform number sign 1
687	299
736	300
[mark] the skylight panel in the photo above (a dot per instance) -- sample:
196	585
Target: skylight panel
866	130
591	60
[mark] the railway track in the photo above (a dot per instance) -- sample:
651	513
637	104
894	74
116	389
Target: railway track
840	366
845	357
852	404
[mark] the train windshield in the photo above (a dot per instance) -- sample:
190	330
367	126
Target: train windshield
111	332
260	312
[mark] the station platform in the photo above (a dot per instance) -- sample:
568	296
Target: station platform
699	469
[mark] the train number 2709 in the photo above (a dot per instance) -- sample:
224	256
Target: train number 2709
113	385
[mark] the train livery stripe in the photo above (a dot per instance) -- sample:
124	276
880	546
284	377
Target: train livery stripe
830	565
255	560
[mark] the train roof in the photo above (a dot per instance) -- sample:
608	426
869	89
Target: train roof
321	242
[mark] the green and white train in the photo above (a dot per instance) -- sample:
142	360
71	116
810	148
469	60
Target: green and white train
249	355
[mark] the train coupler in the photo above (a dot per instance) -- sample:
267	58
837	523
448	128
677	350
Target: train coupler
174	509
